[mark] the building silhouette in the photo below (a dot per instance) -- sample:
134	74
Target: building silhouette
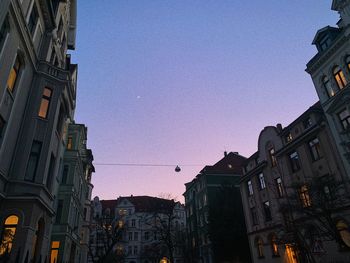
215	221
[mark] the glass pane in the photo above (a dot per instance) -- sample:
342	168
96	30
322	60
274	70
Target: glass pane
11	80
12	220
55	244
47	92
44	106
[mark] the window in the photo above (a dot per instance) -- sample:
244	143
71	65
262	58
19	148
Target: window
279	186
315	149
344	117
267	211
325	42
55	245
8	234
274	246
307	123
2	125
289	137
60	120
250	188
45	103
130	236
50	173
304	196
146	235
255	218
328	87
294	161
70	143
55	4
133	222
339	77
347	61
135	250
343	229
65	174
272	157
33	161
12	79
136	235
59	211
4	30
260	247
262	181
33	19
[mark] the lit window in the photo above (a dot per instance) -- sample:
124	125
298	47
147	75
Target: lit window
69	143
2	125
279	186
33	161
120	223
8	234
274	246
11	81
55	245
328	87
267	211
294	161
272	157
4	30
119	250
250	187
339	77
33	19
45	103
289	137
344	117
347	61
315	149
304	196
260	248
344	232
262	181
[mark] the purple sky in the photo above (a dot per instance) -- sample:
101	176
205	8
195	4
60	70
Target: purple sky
180	82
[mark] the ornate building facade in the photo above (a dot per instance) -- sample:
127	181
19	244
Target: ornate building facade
37	103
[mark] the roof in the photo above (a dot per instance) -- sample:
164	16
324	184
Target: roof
232	163
111	204
149	203
333	31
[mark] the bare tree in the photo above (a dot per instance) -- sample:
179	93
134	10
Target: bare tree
106	232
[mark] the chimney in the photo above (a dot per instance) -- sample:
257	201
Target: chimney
225	153
279	127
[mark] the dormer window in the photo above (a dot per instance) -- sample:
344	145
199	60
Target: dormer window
325	42
328	87
339	77
289	137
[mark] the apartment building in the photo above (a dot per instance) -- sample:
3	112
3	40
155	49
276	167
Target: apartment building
37	103
150	229
215	220
294	193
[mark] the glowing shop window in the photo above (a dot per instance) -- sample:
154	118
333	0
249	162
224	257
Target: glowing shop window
8	234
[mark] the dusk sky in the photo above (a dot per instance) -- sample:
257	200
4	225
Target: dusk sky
181	81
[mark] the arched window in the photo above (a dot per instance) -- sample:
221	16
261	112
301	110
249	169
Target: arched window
339	77
344	232
328	87
260	247
8	234
274	246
